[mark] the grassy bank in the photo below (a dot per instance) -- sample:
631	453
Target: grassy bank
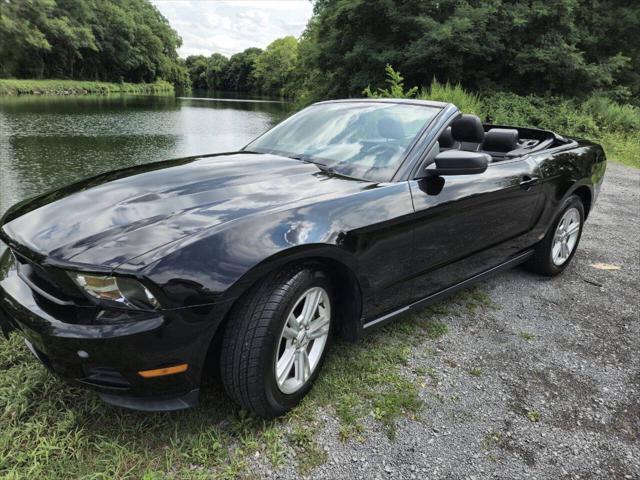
597	118
80	87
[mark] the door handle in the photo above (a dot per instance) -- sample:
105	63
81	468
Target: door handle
527	182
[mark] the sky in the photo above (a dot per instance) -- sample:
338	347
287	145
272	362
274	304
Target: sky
228	27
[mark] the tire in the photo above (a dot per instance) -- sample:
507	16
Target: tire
255	342
544	260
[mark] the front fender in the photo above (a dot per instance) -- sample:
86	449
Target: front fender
354	230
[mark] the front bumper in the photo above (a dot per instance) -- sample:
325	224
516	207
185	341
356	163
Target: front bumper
107	358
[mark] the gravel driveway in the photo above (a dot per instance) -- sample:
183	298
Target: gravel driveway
542	382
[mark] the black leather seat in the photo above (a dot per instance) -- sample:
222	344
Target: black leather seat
469	132
500	141
446	141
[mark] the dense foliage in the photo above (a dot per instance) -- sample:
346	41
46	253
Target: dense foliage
108	40
564	47
597	117
273	71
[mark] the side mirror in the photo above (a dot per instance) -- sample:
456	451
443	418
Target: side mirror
459	162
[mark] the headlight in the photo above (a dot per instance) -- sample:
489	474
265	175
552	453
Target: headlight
125	291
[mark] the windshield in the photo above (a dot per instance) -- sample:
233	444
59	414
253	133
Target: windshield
359	139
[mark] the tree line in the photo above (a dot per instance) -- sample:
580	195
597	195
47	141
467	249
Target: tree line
102	40
272	71
565	47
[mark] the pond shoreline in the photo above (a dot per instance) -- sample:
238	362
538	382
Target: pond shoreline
15	87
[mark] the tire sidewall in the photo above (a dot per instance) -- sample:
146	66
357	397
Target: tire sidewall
301	282
571	202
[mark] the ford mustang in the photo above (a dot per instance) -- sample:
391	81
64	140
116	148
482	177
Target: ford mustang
343	217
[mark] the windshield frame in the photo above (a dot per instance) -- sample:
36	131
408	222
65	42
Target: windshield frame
418	138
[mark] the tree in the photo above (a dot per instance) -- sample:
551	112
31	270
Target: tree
197	67
527	46
239	75
216	71
88	39
274	69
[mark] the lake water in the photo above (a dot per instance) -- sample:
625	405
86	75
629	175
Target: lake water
46	142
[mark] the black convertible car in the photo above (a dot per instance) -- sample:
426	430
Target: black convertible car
343	217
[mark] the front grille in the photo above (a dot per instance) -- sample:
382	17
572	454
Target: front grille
50	283
54	292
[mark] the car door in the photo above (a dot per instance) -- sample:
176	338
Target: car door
466	224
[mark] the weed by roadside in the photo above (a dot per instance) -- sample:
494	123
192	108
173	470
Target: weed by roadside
491	439
526	336
533	415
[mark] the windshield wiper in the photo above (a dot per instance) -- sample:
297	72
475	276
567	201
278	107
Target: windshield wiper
308	159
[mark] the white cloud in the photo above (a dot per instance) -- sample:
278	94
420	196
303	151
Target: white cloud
228	27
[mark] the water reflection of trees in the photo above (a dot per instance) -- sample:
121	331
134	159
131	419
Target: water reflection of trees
46	142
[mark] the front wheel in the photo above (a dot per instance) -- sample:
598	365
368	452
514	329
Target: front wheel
276	340
553	254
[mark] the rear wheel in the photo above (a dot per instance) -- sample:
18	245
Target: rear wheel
553	254
276	339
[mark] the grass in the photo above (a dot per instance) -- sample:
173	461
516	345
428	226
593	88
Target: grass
50	430
474	298
533	416
81	87
302	439
491	439
622	148
527	336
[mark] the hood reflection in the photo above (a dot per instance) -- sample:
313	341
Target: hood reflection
107	218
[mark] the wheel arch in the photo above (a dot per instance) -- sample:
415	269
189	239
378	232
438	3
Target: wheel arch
338	264
586	195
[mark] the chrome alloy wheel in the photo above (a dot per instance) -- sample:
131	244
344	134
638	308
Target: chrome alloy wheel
303	340
566	236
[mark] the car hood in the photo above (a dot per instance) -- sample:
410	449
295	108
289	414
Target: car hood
109	219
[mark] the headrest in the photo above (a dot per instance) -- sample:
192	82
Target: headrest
446	139
500	140
389	127
467	128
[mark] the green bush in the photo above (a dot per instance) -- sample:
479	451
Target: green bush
395	80
445	92
611	115
440	92
553	113
616	126
621	147
597	114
